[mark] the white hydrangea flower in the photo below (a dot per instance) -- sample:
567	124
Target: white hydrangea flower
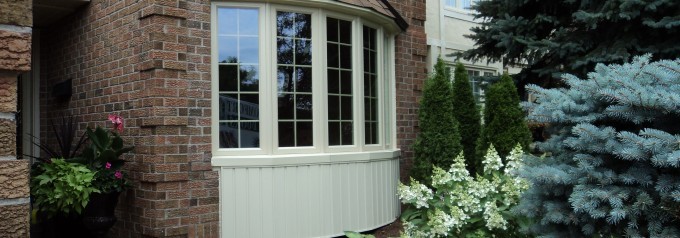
481	187
494	220
439	222
440	177
492	161
458	171
417	194
459	217
514	160
411	231
465	200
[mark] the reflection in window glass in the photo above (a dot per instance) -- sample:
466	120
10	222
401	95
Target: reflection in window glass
340	119
294	78
238	56
370	87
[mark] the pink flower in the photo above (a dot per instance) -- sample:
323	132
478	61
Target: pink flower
118	175
117	122
108	165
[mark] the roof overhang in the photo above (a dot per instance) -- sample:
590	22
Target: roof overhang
47	12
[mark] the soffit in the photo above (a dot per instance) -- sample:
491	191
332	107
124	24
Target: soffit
46	12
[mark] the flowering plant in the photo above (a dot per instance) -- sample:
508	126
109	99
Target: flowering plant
462	206
102	156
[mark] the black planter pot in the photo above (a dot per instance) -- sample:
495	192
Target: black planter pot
99	216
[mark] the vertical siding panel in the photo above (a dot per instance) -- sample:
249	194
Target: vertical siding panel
228	203
337	196
255	202
268	199
242	211
302	201
279	201
361	196
327	198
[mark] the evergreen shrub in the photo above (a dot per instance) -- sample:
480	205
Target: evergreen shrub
439	140
613	165
467	115
504	120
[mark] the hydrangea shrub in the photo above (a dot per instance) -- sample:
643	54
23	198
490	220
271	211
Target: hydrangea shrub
462	206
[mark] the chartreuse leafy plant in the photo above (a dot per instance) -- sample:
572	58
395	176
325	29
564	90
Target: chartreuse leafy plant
462	206
62	187
439	140
613	164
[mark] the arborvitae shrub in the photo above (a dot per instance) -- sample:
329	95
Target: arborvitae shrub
439	141
467	115
613	157
504	124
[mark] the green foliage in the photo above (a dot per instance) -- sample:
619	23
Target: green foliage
439	139
552	37
62	187
105	147
352	234
466	113
460	206
504	124
613	168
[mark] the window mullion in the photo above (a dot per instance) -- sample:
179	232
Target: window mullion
319	117
358	61
267	95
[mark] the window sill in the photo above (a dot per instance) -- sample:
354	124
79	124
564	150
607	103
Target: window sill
303	159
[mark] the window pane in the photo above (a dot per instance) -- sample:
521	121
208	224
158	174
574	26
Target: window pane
303	79
248	22
339	81
249	107
286	134
303	52
238	54
370	87
228	75
248	49
250	134
228	49
249	78
228	135
284	50
294	78
304	134
228	105
304	107
227	20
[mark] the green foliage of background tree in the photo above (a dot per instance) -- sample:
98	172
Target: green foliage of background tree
504	124
551	37
613	165
466	113
439	140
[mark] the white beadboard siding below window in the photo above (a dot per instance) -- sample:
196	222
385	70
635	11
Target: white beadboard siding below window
308	200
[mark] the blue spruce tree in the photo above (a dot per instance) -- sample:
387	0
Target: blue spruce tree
612	164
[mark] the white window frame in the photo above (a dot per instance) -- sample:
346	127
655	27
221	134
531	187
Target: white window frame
268	89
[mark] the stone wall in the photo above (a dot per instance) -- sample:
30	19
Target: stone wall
15	58
149	62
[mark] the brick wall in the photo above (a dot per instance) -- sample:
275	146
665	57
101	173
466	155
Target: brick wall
411	71
148	61
15	58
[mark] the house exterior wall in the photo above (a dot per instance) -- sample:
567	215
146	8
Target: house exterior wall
15	58
411	71
149	62
446	28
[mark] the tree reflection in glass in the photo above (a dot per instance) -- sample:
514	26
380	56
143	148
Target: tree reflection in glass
294	78
238	60
339	53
